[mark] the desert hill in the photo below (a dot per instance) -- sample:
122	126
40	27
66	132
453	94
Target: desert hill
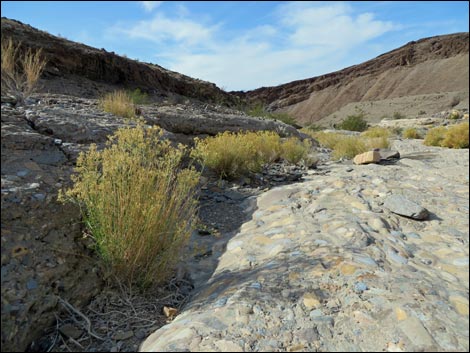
80	70
431	66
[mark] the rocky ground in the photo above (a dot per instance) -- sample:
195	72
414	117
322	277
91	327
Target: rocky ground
282	260
325	265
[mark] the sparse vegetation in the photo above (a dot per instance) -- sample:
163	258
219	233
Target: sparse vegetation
411	133
294	150
119	103
455	114
398	116
20	72
456	136
355	122
139	97
376	131
435	136
138	202
344	146
232	155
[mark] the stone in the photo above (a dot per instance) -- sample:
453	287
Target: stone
367	157
311	301
71	331
123	335
402	206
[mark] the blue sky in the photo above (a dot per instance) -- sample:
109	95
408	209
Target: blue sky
242	45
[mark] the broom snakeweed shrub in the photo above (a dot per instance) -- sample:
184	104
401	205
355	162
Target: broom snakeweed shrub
20	73
138	202
231	155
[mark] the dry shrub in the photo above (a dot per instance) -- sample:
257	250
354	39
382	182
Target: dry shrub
138	202
376	131
456	136
455	114
376	142
20	73
119	103
411	133
344	146
435	136
348	147
231	155
294	150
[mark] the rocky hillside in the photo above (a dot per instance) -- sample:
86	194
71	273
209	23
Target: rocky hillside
77	69
428	66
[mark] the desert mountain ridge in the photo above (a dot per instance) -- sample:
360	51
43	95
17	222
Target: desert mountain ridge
428	66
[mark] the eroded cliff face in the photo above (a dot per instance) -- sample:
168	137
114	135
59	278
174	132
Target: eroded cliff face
78	69
430	65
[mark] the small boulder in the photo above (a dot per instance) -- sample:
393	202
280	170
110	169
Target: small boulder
367	157
404	207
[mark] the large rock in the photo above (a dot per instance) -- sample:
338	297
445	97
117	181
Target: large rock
194	121
367	157
404	207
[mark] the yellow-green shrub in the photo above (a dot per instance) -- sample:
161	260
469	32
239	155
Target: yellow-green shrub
138	202
231	155
376	131
20	72
456	136
119	103
345	146
294	150
228	154
411	133
376	142
348	147
327	139
435	136
455	114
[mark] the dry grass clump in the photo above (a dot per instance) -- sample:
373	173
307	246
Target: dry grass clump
376	131
138	203
20	73
435	136
456	136
231	155
411	133
119	103
344	146
294	150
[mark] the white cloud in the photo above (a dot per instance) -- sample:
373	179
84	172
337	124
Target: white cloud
149	6
305	40
171	30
